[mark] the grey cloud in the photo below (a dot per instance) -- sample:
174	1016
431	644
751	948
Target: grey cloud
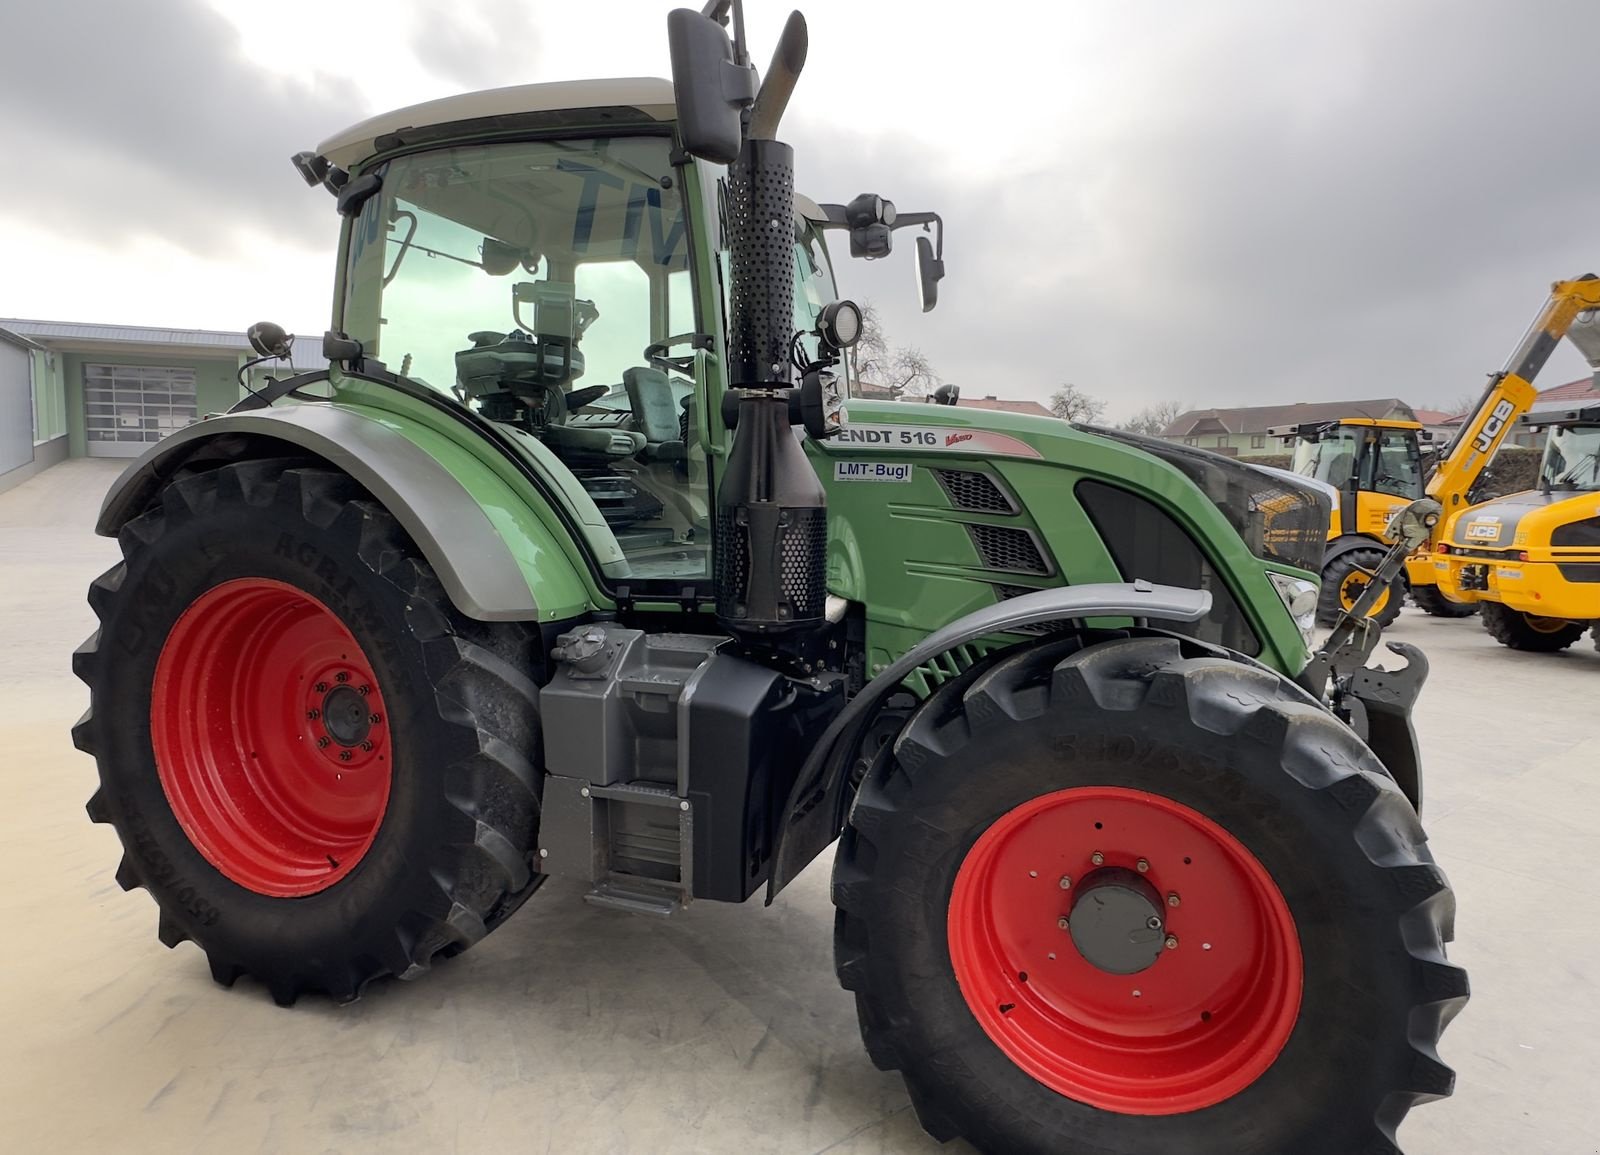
482	45
122	120
1270	235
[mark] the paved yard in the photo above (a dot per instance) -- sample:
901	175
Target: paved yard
574	1029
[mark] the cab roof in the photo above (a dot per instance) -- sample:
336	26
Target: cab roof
649	97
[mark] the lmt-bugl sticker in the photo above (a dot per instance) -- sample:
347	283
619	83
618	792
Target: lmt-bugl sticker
871	471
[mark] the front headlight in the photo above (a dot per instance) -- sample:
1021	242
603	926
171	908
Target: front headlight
1299	597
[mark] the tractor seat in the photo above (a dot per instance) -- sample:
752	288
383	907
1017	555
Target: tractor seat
655	414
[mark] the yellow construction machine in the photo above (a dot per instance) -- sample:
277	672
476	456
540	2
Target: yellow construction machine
1376	467
1531	561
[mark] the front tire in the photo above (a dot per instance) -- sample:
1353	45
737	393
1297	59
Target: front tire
1530	632
1429	600
1345	579
318	768
1310	1023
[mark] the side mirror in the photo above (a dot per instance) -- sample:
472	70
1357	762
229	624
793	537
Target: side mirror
711	90
930	271
946	395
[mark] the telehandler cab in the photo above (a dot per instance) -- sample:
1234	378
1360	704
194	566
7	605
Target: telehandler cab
1375	468
1531	560
540	578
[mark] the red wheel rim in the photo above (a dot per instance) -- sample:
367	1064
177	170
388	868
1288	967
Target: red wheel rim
1199	1025
270	737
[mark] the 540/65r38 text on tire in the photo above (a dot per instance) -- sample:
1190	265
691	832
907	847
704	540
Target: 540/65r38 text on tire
1116	900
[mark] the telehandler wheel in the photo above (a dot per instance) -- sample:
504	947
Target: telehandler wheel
1429	600
1344	581
1122	901
1530	632
321	771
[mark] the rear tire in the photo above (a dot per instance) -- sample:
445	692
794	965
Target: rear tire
1530	632
1344	580
1429	600
1216	744
235	589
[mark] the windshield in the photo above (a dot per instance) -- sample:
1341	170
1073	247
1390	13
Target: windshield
541	282
1332	459
581	242
1572	458
1396	469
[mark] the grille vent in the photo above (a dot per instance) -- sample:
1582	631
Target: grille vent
974	491
1004	548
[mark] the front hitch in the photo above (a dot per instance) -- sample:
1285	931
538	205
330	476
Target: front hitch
1375	702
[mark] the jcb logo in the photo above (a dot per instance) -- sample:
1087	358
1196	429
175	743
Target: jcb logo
1492	426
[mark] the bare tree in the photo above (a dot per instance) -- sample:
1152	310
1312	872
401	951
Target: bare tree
1071	403
1153	420
911	373
902	369
870	357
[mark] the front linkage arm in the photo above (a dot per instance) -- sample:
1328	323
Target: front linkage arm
1375	702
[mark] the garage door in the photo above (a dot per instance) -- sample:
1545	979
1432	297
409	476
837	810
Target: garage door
128	408
16	408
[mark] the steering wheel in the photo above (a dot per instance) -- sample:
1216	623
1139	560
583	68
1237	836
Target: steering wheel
655	353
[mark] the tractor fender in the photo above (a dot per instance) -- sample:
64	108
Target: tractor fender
813	815
477	568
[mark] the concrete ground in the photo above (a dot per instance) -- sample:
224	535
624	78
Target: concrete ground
578	1030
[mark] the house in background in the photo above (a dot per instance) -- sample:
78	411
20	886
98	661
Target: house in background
1572	395
69	389
1242	432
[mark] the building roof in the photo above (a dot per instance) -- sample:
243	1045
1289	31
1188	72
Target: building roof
1260	418
1004	405
17	339
650	95
1432	416
306	353
1583	390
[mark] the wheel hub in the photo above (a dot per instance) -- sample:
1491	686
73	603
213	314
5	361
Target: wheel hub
345	716
1117	922
1060	912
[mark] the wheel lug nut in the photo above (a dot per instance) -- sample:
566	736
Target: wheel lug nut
1063	924
1172	942
322	742
366	745
1142	865
1066	882
374	718
313	714
322	687
1153	922
1174	901
341	676
344	755
1097	858
363	690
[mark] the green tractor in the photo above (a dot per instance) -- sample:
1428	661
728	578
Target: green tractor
572	563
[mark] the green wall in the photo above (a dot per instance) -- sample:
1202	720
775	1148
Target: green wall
215	383
49	397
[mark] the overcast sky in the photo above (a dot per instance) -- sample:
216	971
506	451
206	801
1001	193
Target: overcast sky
1220	203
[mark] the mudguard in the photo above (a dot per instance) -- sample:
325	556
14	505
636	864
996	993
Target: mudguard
814	812
1340	546
479	570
